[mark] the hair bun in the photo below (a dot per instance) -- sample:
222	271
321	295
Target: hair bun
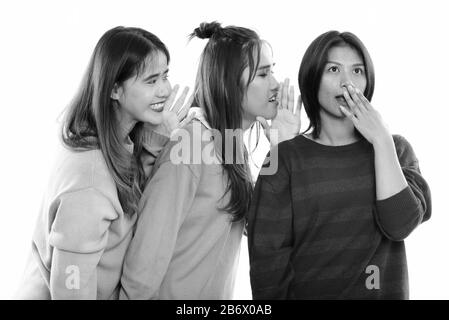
207	30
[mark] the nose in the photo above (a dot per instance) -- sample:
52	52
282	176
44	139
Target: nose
164	89
274	84
346	80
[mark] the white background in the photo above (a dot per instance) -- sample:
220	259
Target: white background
45	47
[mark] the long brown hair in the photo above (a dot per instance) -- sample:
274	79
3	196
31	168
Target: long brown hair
90	121
220	92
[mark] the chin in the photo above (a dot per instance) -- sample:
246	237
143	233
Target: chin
271	114
154	119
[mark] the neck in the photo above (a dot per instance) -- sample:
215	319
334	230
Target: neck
336	131
125	131
126	125
246	123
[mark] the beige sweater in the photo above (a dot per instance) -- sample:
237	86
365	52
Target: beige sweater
81	234
185	246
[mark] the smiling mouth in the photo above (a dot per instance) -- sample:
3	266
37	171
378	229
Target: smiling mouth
273	98
158	107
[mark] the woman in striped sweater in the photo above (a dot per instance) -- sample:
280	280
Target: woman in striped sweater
331	222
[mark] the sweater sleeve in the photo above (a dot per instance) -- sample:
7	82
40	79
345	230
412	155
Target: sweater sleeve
398	215
165	202
153	143
270	236
78	236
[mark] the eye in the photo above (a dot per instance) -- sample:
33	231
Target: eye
333	69
358	70
152	81
265	73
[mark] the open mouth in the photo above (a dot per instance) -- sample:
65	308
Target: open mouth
341	100
273	98
158	107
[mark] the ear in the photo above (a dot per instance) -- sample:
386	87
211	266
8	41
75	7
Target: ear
117	92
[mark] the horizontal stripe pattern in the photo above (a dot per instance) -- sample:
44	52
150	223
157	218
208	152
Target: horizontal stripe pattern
312	229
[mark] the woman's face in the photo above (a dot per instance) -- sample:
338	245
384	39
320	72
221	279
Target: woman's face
142	98
260	98
344	67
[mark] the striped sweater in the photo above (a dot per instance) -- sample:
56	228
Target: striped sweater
316	231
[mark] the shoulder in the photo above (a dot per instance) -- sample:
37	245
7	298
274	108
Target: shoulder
400	141
402	144
404	150
81	220
294	148
76	171
188	148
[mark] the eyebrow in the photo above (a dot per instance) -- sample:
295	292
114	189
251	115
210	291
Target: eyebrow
337	63
155	75
266	66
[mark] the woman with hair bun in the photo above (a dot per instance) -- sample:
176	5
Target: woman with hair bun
193	212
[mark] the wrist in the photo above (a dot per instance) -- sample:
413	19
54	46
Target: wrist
384	140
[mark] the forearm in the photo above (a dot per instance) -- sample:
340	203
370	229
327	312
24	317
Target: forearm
390	179
73	276
401	212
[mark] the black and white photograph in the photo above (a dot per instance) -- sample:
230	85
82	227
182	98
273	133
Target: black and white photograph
224	150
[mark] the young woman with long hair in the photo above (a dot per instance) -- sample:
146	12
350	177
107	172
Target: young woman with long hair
193	210
114	128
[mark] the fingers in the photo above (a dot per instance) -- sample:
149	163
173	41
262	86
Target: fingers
182	114
298	107
279	98
284	89
180	102
291	99
352	105
354	92
171	98
364	100
187	120
348	114
190	101
185	109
